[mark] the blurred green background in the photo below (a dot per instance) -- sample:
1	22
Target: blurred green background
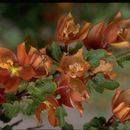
39	21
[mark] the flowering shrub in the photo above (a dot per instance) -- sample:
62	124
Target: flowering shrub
65	73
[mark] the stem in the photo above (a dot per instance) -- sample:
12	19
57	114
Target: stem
110	121
34	128
66	48
22	94
16	123
122	54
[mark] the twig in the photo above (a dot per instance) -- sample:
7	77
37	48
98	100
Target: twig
66	48
33	128
111	120
16	123
22	94
122	54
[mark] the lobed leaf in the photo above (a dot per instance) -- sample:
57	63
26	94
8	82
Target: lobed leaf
67	126
54	51
73	50
11	110
99	83
60	114
94	56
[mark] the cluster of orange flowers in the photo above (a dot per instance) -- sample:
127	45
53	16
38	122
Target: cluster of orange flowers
33	64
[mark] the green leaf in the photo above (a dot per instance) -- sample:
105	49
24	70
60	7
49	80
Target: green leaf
60	114
99	83
54	51
38	91
95	124
4	118
31	107
94	56
102	83
11	110
85	52
73	50
46	86
7	127
23	86
26	106
42	88
32	89
67	126
10	97
115	126
123	57
91	85
126	126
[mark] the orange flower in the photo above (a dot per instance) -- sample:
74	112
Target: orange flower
71	88
51	104
115	34
121	105
95	36
74	65
34	64
68	32
40	61
73	92
23	66
9	70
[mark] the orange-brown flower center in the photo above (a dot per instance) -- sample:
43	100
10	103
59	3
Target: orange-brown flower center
74	68
123	35
8	64
71	27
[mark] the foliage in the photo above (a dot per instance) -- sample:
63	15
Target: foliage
63	73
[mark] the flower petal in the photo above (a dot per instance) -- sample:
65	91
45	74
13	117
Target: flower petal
52	117
2	96
64	96
124	44
22	54
122	113
40	62
84	31
53	101
115	97
4	75
111	32
94	38
119	107
27	73
117	15
38	111
6	54
77	85
76	96
12	84
74	65
68	31
77	106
